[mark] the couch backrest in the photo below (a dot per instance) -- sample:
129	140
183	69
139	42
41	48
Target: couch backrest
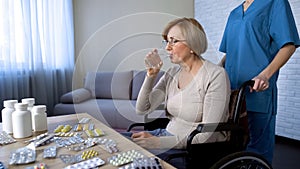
137	82
116	85
108	85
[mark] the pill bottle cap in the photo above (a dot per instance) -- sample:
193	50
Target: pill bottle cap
39	108
29	101
9	103
21	106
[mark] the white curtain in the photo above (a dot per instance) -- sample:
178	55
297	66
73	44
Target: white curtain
36	50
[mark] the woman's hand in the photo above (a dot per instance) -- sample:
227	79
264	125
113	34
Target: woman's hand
153	63
146	140
261	83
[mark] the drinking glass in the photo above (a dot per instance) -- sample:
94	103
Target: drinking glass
162	55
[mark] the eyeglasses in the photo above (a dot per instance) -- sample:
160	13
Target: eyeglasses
172	41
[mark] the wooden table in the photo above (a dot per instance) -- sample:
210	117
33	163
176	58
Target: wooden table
123	144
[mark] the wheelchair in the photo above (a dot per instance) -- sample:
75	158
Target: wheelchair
242	159
217	155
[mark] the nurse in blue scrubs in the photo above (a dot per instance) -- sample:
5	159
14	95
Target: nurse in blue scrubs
259	38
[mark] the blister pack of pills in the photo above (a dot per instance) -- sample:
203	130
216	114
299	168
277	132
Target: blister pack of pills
82	127
43	141
144	163
39	137
78	147
68	141
6	138
22	156
62	128
68	134
71	159
94	133
108	145
111	148
124	157
50	152
2	166
91	163
88	154
84	120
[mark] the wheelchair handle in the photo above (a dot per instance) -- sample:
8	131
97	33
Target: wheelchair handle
247	83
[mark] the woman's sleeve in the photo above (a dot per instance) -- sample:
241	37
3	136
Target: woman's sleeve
150	97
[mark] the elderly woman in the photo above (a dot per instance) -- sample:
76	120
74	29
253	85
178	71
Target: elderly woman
194	91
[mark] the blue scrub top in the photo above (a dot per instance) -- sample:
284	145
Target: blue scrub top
251	40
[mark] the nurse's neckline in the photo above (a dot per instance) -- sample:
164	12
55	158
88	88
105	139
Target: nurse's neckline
247	4
249	1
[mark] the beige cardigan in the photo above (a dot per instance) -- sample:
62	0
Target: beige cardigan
205	99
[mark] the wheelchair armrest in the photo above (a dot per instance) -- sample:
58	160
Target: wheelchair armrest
215	127
212	127
151	124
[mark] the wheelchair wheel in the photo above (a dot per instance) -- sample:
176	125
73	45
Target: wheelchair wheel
242	160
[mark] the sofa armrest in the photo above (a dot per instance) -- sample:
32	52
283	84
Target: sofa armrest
76	96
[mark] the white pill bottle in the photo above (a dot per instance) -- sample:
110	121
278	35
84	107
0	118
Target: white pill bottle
39	118
22	122
6	114
30	102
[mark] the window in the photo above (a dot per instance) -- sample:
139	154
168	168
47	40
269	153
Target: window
36	49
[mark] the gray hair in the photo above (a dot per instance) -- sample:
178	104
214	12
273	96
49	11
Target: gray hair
192	31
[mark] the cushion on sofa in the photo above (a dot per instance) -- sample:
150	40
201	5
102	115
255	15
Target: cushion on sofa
76	96
110	85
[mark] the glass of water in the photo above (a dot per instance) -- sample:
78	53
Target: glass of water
156	59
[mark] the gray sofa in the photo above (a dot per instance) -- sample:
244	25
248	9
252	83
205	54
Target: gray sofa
109	97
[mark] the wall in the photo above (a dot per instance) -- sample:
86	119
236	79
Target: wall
213	15
114	35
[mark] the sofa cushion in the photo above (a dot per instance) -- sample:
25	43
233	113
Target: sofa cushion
137	82
76	96
110	85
